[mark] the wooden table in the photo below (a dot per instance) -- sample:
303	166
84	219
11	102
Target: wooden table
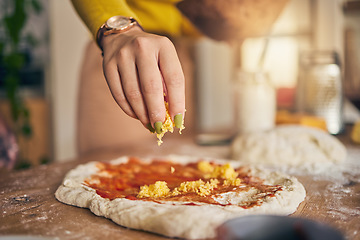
28	205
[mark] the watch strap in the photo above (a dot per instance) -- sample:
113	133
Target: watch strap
104	30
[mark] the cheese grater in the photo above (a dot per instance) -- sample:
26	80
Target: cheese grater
319	90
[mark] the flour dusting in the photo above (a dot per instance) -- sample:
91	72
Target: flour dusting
341	180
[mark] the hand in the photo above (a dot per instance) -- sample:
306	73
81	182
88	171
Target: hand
139	68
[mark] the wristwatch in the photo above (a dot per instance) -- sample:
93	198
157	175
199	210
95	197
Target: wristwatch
115	24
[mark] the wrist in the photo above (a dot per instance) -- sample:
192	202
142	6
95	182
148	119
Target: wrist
115	25
108	39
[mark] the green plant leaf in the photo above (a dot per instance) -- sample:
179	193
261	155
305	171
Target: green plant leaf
14	61
44	160
11	83
2	47
26	130
31	40
36	5
23	164
15	105
11	86
26	113
14	23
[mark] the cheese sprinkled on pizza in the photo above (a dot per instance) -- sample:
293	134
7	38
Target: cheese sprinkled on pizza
159	189
201	182
199	187
205	167
224	171
232	182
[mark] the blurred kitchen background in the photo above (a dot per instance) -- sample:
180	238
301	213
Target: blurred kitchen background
54	41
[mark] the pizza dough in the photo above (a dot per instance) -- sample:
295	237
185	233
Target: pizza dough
175	219
289	145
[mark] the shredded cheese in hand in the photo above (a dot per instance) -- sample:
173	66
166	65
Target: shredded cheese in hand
168	125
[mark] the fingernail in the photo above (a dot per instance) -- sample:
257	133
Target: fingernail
178	120
158	126
151	129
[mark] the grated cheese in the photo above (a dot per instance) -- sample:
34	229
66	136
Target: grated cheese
205	167
159	189
232	182
200	187
224	171
168	125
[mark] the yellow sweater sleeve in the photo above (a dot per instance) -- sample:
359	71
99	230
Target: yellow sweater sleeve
94	13
156	16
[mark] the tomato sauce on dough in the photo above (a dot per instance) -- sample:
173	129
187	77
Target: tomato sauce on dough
125	179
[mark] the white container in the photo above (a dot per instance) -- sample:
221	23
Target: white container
255	102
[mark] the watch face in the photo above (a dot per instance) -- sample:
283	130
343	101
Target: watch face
118	22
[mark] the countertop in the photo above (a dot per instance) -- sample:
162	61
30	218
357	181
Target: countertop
28	206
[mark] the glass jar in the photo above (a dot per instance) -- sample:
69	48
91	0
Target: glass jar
319	90
255	102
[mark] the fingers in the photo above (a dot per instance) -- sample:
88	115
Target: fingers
151	83
113	80
172	73
131	87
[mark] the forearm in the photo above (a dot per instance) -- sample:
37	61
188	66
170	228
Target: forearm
94	13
